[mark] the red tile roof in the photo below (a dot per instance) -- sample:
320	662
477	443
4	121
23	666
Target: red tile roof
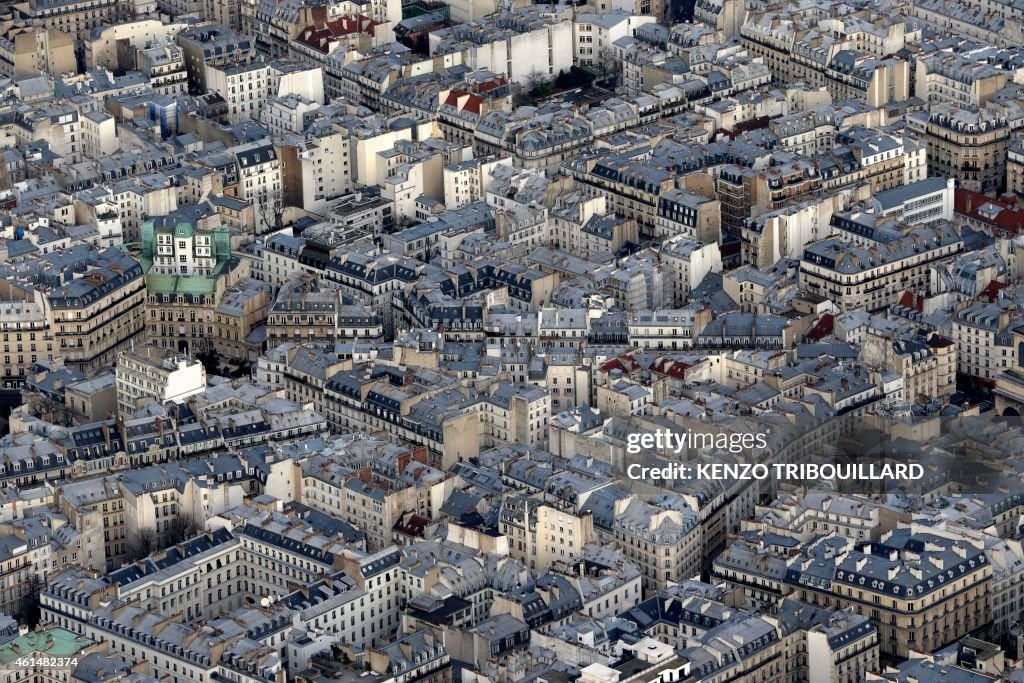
1009	221
992	290
822	328
471	103
675	369
912	301
320	38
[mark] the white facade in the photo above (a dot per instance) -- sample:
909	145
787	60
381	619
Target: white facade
247	87
541	53
687	262
149	372
925	201
467	182
289	114
191	253
99	135
663	328
326	168
593	35
101	51
462	11
260	182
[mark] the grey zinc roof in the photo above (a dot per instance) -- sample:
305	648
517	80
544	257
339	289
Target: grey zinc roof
890	199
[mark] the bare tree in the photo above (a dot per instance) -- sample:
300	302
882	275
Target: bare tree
28	610
143	543
536	86
607	63
269	212
182	528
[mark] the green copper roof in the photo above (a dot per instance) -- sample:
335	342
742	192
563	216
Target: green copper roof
184	230
185	284
53	642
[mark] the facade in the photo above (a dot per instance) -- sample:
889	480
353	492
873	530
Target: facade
853	276
522	45
983	341
156	372
970	146
86	322
26	51
188	270
915	613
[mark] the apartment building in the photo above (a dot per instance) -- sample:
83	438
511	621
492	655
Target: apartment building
188	270
164	66
392	481
101	48
921	591
259	182
151	371
1015	166
541	535
182	579
744	192
667	329
99	312
948	77
782	233
839	646
927	366
212	45
852	276
755	570
77	18
96	508
417	406
86	606
749	646
662	537
239	321
866	156
27	51
317	171
466	182
594	35
247	86
511	413
688	214
522	45
925	201
26	339
304	312
985	26
687	262
984	341
175	247
848	67
969	145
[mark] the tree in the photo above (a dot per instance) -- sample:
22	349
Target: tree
182	528
28	611
607	63
536	85
269	211
143	543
